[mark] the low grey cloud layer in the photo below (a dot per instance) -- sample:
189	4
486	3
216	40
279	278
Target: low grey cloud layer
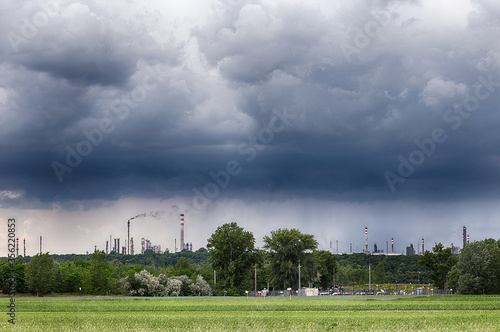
361	102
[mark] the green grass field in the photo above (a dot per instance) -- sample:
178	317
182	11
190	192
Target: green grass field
338	313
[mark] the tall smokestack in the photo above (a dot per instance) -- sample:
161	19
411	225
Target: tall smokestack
24	245
423	246
366	240
107	244
182	232
467	238
464	236
17	247
128	237
40	244
132	246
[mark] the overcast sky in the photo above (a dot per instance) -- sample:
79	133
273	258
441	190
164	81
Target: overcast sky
327	116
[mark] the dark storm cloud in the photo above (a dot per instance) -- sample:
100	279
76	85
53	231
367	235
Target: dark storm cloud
70	41
371	112
164	115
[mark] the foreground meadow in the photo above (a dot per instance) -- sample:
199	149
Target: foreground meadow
363	313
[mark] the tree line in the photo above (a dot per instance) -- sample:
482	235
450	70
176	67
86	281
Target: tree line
290	258
288	254
100	274
475	271
232	264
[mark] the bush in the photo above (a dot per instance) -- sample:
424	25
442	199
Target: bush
200	287
185	285
145	284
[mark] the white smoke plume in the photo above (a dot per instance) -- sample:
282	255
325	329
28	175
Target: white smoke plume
152	214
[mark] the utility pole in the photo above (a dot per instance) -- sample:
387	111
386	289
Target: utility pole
215	278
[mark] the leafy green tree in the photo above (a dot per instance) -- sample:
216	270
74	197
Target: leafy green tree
439	261
207	272
6	273
118	273
71	277
287	249
99	272
378	275
326	263
182	268
233	256
361	275
83	268
344	275
350	276
41	274
453	278
479	265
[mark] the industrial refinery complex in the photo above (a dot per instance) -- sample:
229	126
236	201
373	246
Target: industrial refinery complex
113	245
128	248
410	250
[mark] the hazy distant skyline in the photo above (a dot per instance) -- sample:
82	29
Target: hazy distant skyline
327	116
